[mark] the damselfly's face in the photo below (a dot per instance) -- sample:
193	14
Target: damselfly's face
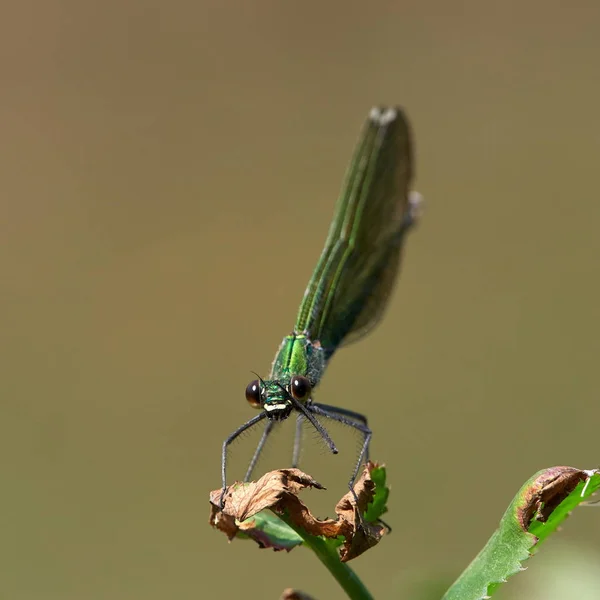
277	398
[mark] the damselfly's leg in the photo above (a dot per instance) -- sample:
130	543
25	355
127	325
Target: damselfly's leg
362	427
226	443
306	411
347	413
259	449
362	419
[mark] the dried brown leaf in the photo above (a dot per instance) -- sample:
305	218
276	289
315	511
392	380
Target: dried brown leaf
547	492
243	501
223	522
278	491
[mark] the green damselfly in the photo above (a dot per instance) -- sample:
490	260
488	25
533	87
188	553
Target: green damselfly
348	290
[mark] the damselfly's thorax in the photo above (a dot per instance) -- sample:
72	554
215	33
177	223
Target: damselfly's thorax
298	354
278	398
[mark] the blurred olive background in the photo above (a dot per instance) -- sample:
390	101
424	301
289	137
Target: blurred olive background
168	173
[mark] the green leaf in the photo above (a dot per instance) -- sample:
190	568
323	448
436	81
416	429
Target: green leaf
270	531
378	507
541	505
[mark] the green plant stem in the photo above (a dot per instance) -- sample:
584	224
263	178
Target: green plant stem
344	575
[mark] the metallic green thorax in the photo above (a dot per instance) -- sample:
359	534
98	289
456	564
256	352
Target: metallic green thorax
297	355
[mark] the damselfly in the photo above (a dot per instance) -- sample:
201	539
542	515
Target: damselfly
348	290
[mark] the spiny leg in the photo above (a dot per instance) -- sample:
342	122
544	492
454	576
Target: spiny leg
359	417
346	413
297	441
226	443
363	428
259	449
306	411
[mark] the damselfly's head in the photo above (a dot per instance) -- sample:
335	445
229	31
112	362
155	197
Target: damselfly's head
277	398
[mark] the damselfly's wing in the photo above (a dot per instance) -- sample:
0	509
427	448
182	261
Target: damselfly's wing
349	289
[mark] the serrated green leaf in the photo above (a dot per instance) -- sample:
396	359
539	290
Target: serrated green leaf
580	494
536	511
378	507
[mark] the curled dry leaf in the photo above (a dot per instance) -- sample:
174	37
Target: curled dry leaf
547	492
278	491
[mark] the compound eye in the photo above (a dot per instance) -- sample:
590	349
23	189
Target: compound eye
300	388
253	393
